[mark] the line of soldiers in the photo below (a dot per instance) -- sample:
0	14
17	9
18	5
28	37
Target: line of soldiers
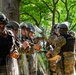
18	42
26	33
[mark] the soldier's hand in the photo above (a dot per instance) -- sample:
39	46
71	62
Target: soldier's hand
37	47
26	44
48	54
15	54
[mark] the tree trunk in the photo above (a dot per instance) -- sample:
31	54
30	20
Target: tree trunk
11	9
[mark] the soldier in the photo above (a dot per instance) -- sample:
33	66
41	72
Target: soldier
65	47
72	33
13	27
31	32
20	35
24	33
22	59
34	46
50	47
6	45
53	36
27	33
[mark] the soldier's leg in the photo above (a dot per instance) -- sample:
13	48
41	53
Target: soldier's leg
69	64
53	68
30	63
59	69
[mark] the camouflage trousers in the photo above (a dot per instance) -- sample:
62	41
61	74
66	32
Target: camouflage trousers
3	70
68	63
65	66
30	64
56	70
55	65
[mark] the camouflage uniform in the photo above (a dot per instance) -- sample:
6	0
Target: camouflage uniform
55	60
52	60
29	51
73	33
65	47
13	26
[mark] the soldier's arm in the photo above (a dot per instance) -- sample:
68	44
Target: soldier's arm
51	41
59	43
19	50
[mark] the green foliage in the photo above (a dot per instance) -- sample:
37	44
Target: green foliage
42	60
41	11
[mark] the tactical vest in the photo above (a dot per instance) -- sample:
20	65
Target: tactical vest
69	46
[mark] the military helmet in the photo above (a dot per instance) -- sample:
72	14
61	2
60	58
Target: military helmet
31	27
23	25
3	19
55	26
64	25
63	28
12	25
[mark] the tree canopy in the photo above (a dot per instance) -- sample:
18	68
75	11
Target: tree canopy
46	13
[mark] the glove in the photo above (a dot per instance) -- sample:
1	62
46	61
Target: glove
48	54
25	45
15	54
37	47
55	58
